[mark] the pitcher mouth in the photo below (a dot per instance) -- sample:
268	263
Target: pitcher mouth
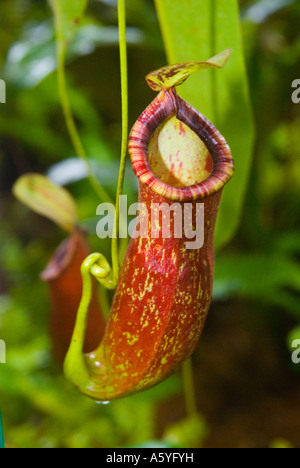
166	104
63	256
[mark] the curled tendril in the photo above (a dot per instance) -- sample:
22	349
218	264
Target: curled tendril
94	265
97	265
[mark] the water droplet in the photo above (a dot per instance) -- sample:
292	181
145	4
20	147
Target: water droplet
103	403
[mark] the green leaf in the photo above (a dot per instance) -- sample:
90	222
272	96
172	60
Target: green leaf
47	199
33	57
189	432
270	278
68	14
174	75
195	30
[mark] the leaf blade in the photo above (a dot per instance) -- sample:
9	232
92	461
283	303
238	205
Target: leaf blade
47	199
174	75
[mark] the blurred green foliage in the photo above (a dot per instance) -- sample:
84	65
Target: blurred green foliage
260	267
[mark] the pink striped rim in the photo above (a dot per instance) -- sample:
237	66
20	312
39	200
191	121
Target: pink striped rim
166	104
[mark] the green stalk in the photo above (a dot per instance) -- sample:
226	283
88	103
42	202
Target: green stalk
67	110
124	91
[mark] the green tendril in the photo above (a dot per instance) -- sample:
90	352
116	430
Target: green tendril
94	265
124	92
